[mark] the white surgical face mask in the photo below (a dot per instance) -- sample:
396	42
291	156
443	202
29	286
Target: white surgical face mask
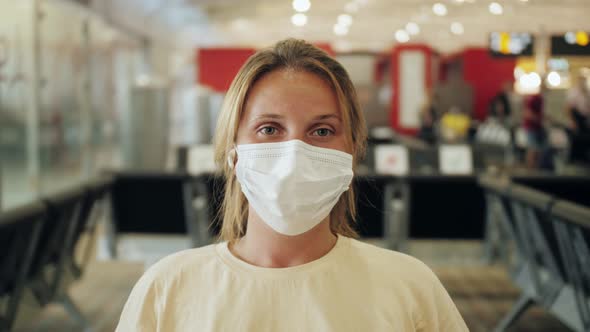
292	185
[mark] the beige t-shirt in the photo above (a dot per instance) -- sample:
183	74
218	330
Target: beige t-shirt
355	287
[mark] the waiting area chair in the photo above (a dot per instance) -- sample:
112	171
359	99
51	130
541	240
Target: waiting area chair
40	242
19	235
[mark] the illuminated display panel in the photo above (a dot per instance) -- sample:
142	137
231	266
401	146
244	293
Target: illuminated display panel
571	43
510	44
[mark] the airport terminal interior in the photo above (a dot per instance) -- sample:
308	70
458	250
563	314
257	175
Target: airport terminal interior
477	160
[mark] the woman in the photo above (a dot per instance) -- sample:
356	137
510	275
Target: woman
535	132
289	134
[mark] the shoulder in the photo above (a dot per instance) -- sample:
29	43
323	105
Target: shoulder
157	279
170	267
408	277
414	282
373	252
148	296
391	262
153	287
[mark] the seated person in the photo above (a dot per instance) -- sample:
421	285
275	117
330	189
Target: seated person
455	125
500	107
428	119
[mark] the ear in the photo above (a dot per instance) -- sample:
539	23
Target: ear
232	158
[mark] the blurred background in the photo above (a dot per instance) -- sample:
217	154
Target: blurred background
478	159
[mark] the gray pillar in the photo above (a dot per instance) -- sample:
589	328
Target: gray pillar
146	130
33	128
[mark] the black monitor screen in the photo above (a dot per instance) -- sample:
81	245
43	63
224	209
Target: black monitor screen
571	43
511	44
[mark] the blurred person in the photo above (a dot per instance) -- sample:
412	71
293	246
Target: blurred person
500	107
497	109
455	125
578	112
578	106
533	126
289	133
428	119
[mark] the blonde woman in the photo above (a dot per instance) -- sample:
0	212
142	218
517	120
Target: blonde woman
288	137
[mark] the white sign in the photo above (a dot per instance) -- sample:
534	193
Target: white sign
391	159
455	159
412	87
201	159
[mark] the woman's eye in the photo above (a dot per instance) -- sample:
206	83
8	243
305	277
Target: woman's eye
323	132
268	131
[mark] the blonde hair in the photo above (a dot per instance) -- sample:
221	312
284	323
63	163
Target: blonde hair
290	54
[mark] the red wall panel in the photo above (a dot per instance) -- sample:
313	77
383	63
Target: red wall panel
486	74
217	67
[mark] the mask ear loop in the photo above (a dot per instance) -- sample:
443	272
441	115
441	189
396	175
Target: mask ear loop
231	158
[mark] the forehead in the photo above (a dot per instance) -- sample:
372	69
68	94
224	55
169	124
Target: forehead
292	92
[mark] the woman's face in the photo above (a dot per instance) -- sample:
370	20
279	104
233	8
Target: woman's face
288	104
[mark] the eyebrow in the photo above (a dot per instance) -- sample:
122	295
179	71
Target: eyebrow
267	116
273	116
328	116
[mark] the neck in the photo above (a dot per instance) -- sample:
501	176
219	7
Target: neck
262	246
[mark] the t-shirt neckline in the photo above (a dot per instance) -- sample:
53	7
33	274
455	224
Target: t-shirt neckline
243	267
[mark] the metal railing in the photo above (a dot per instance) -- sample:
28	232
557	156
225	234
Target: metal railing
550	237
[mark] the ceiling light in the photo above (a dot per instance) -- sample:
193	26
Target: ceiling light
351	7
340	29
496	8
582	38
570	38
412	28
402	36
530	81
439	9
518	72
554	79
301	5
345	19
535	79
457	28
299	19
